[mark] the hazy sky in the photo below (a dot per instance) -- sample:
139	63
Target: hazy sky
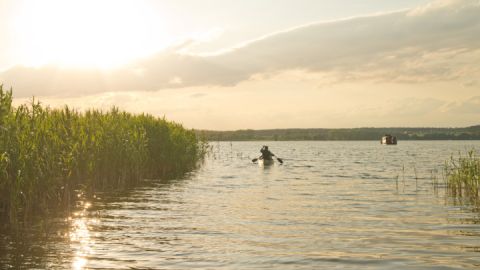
222	64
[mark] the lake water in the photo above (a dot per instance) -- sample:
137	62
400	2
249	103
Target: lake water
347	205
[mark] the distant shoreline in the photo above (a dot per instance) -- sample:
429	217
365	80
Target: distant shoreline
415	140
344	134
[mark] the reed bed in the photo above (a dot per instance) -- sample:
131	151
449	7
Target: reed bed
463	178
46	155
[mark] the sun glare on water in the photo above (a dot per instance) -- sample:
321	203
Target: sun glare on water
86	33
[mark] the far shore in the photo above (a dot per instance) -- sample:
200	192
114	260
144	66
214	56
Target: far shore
344	134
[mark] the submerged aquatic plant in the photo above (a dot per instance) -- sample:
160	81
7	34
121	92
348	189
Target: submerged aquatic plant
47	154
463	178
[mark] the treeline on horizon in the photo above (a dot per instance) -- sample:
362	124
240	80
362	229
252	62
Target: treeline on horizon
48	156
344	134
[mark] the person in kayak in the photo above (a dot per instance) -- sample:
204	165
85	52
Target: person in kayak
266	154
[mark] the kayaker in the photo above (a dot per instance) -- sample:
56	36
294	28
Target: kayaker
266	154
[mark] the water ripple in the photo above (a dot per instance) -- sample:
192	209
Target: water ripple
348	205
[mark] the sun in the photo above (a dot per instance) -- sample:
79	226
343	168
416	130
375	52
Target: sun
86	33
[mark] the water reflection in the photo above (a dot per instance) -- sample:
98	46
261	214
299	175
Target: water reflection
80	236
129	229
330	205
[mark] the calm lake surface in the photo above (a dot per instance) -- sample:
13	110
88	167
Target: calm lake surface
347	205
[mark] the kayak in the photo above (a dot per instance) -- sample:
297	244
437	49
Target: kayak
266	162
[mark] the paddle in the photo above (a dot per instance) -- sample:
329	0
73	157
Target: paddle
279	160
256	159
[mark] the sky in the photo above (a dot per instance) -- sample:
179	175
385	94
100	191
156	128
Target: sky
250	64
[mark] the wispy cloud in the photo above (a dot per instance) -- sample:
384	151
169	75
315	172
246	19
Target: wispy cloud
470	106
435	42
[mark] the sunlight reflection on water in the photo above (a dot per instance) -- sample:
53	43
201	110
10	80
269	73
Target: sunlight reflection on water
80	237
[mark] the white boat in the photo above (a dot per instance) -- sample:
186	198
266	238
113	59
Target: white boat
388	139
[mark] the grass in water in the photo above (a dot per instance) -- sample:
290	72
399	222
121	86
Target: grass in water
463	178
47	154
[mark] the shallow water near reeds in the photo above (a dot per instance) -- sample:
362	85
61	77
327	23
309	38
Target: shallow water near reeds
347	205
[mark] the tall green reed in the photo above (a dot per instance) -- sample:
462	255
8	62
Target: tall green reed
47	154
463	178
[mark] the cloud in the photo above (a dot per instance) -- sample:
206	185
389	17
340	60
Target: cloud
198	95
469	106
415	107
51	80
435	42
402	46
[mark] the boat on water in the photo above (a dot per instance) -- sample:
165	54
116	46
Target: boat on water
266	158
266	162
388	139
